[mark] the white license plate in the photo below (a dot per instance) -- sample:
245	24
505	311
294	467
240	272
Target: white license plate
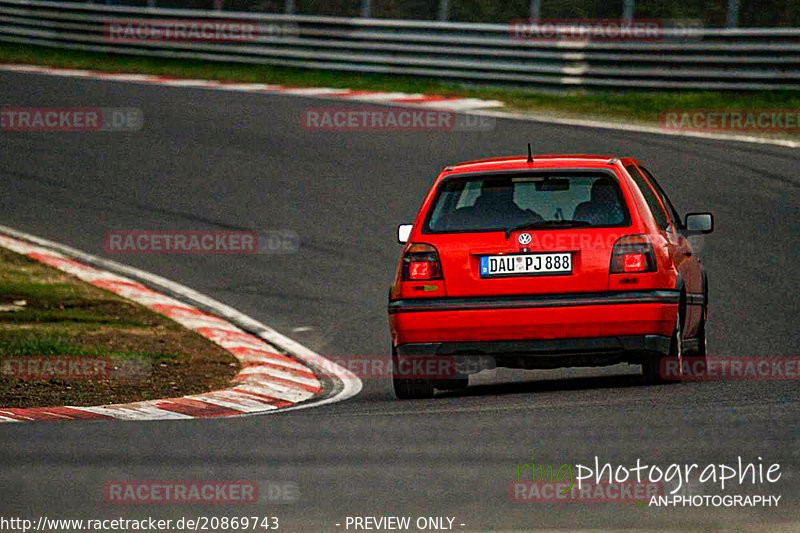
526	264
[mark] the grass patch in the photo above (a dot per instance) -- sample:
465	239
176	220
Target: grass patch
45	313
643	107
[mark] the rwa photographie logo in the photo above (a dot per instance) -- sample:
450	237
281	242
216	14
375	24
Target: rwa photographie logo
646	485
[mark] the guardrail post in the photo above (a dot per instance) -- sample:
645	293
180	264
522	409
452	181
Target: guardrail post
628	7
536	9
444	10
733	13
366	8
289	7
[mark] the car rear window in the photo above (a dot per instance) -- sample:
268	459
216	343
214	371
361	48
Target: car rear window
494	203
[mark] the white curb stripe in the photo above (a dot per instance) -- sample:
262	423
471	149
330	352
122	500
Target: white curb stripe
188	83
247	87
137	411
128	77
278	391
463	104
315	91
265	370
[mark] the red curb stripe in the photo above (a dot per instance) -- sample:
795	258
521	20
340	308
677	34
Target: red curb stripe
32	413
196	408
114	285
424	99
60	262
78	414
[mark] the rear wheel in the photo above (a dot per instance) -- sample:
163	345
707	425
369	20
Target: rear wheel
656	373
410	388
460	383
702	342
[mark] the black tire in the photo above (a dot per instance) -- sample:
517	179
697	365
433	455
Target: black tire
453	384
410	389
651	367
702	342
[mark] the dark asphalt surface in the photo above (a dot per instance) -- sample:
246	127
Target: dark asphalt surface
208	160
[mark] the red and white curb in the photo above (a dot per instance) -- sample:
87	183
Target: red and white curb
422	100
269	380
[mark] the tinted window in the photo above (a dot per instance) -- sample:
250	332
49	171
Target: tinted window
649	196
492	203
671	211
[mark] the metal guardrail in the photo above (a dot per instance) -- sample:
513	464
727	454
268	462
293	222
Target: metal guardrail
702	59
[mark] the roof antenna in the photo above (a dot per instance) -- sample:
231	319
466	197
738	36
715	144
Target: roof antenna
530	154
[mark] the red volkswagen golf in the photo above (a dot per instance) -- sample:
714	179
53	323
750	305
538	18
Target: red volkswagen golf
545	262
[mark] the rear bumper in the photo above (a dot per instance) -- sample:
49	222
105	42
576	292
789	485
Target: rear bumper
543	354
553	330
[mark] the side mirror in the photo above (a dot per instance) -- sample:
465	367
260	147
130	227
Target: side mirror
699	223
404	232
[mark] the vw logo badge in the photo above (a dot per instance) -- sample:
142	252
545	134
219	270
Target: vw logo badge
524	238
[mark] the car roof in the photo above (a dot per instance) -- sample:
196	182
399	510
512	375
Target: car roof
540	161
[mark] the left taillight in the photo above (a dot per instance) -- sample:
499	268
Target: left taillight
421	263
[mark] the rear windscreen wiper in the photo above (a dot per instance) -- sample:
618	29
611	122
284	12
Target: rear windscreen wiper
548	224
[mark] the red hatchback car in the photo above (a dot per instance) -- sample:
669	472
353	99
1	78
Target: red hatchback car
546	262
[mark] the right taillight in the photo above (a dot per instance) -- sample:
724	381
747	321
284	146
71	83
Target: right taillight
633	254
421	263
